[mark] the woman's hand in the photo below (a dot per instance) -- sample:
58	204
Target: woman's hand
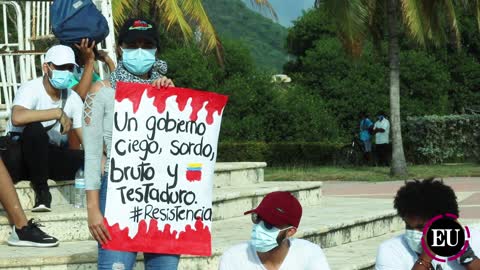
163	82
97	227
88	56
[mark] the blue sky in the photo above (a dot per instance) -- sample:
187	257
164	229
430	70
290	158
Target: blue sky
288	10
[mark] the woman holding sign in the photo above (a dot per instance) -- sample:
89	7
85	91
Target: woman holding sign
137	43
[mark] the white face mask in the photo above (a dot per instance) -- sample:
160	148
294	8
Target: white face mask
414	240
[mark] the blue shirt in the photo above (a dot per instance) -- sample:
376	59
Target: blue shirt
365	124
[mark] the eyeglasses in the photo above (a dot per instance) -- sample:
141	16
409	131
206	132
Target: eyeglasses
256	219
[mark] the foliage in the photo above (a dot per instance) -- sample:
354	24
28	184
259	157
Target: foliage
242	151
190	68
464	92
244	118
264	38
188	17
258	110
279	153
300	115
425	83
347	87
431	82
307	29
436	139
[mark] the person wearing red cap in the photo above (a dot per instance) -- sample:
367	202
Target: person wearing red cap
275	222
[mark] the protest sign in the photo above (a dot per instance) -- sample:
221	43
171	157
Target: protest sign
160	180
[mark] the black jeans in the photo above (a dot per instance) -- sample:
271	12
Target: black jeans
43	160
383	154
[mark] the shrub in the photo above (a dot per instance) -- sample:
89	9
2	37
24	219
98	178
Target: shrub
437	139
279	154
246	151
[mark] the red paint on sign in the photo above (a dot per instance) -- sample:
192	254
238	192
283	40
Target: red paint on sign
192	241
213	102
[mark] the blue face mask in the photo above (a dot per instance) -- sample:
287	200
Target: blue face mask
138	61
61	79
414	240
264	239
78	73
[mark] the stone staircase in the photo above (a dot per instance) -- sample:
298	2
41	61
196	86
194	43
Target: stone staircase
345	228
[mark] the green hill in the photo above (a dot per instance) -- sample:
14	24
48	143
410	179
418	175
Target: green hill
265	38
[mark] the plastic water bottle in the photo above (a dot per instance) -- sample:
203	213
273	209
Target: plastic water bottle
80	196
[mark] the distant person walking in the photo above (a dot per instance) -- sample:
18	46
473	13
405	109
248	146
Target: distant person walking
366	127
382	139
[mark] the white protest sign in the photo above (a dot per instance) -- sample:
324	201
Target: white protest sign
160	180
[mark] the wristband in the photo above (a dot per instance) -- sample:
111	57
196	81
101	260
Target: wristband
467	257
423	263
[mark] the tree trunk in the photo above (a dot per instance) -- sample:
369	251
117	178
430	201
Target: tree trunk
398	164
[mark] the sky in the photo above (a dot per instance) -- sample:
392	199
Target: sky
288	10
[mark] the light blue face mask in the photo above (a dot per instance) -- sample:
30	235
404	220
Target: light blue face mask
138	61
264	239
61	79
414	240
78	73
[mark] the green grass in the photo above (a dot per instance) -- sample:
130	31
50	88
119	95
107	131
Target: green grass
373	174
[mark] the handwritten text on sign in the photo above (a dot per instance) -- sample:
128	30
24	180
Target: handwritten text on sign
164	144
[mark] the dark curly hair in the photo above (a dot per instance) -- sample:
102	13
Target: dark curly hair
425	199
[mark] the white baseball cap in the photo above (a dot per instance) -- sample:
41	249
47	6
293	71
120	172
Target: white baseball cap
60	55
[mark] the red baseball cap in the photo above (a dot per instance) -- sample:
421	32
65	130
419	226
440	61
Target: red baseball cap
279	208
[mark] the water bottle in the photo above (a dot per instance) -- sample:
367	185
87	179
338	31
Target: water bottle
80	196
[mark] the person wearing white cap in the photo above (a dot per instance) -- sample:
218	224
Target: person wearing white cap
43	112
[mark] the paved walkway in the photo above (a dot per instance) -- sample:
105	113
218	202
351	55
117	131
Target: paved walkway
467	190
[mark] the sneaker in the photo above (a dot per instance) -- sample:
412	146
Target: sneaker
43	200
31	236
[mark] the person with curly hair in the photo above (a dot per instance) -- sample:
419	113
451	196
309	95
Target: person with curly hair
417	202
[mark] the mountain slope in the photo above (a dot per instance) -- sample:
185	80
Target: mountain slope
265	38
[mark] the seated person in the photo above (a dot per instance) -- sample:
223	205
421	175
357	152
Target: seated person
44	111
275	221
24	233
416	203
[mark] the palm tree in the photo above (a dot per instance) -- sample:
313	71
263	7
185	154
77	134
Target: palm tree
427	21
187	16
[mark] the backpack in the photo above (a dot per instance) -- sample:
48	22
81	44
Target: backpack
73	20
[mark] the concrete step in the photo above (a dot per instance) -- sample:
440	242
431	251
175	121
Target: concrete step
362	254
228	202
227	174
359	255
238	173
336	222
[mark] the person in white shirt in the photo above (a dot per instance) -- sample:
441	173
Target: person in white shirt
275	222
416	203
382	139
44	110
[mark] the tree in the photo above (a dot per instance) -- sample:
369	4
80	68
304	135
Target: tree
430	23
188	17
